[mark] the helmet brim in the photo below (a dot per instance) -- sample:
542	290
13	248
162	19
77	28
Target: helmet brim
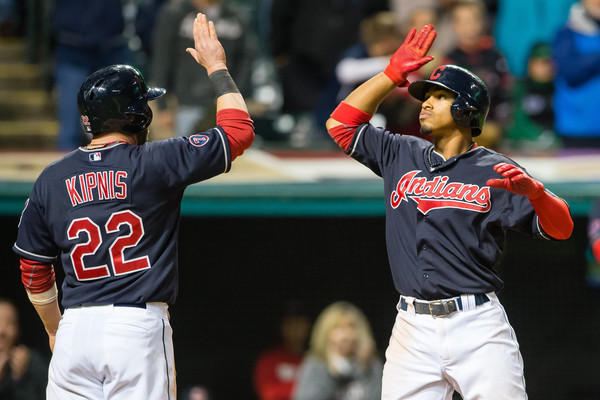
155	93
418	89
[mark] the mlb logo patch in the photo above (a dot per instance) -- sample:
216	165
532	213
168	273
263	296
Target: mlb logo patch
95	156
198	140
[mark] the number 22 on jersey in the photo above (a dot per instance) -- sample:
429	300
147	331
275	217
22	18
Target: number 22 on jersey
119	264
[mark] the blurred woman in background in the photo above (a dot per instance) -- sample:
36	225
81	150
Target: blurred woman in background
341	363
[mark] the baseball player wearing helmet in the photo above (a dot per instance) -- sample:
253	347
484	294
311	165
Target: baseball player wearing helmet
448	207
110	212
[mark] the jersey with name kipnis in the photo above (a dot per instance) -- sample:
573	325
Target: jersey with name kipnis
112	216
444	227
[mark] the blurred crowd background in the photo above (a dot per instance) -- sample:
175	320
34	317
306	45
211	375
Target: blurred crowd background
295	60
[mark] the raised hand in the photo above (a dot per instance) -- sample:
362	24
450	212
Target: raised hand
411	55
207	50
516	181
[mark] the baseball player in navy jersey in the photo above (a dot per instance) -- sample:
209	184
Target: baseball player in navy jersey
110	212
448	207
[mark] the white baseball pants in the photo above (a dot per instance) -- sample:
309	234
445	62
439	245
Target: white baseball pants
110	352
473	351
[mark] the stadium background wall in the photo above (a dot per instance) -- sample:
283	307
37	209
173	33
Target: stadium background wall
235	272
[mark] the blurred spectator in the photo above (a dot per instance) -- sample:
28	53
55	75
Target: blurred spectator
341	363
145	22
577	55
9	18
415	14
520	24
593	249
532	127
174	70
81	50
277	368
37	29
197	392
379	39
476	51
307	39
23	372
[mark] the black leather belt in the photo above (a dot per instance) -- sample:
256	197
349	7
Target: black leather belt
135	305
438	308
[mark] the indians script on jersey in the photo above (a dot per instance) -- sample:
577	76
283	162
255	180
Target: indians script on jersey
100	185
439	193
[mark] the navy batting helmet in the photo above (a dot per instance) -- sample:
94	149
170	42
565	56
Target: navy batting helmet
472	102
115	99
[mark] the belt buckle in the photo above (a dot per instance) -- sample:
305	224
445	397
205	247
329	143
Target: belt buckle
441	304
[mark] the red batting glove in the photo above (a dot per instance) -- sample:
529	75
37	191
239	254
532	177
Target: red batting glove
410	56
517	181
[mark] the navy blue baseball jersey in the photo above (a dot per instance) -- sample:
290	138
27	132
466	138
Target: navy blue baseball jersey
444	227
112	216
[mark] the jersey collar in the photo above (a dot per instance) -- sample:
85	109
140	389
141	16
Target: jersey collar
109	145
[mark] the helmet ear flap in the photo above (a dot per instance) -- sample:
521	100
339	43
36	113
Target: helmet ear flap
138	122
465	115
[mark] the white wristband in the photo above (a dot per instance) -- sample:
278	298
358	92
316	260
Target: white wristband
46	297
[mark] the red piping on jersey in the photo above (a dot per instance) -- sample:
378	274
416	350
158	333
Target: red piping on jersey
37	277
351	118
239	129
554	216
103	145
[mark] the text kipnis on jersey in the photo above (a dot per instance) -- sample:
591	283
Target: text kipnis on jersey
438	193
95	186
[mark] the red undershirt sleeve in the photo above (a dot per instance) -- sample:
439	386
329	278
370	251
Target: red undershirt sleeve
37	277
351	118
554	216
239	129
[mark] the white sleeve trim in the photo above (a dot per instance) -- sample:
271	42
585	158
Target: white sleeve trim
34	254
540	230
222	135
360	132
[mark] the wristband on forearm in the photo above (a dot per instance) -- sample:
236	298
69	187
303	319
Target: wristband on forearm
223	82
43	298
350	115
396	76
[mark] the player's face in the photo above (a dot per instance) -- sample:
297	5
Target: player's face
435	116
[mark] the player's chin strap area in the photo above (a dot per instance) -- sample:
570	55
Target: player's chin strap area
441	308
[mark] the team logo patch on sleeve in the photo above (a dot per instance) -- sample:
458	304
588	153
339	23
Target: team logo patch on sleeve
199	140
